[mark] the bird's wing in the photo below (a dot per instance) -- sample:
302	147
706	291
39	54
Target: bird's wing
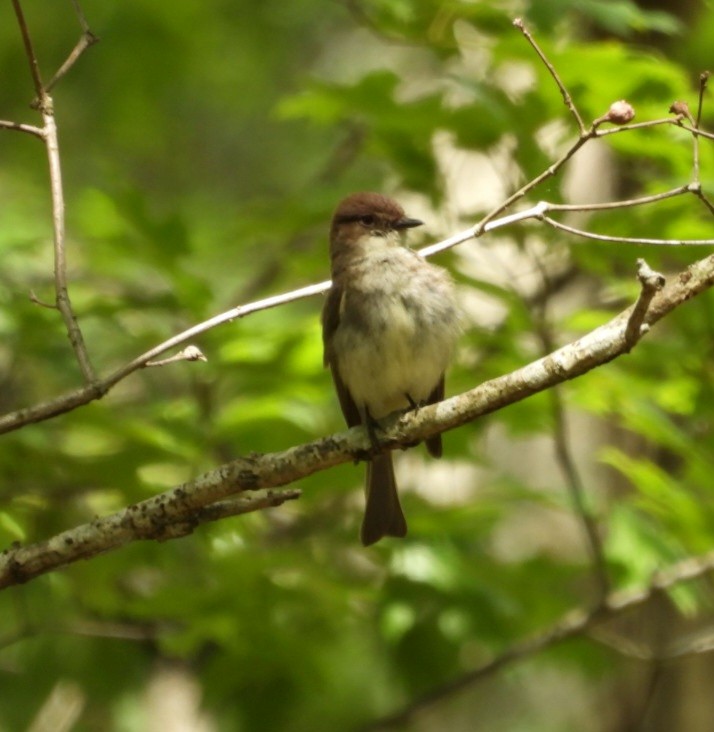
330	323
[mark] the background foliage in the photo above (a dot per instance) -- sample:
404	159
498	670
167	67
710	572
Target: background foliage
204	148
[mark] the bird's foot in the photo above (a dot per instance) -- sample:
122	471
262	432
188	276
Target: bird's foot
413	407
372	426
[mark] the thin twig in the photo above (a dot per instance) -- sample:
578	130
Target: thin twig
704	199
626	239
36	300
695	131
61	292
695	159
19	127
49	135
549	172
703	81
29	51
640	126
695	138
80	17
651	283
626	203
86	40
567	99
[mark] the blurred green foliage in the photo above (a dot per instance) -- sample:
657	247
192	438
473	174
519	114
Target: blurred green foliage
203	149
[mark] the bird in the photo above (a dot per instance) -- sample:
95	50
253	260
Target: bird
390	324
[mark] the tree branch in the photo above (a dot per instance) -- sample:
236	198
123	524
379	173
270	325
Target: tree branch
49	135
174	513
167	516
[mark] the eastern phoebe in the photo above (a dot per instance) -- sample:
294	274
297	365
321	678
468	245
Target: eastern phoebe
389	327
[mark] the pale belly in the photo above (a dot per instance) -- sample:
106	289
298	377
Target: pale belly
399	351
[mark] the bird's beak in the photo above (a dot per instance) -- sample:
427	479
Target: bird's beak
407	223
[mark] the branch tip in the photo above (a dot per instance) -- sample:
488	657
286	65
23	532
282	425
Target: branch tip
36	300
190	353
651	283
648	278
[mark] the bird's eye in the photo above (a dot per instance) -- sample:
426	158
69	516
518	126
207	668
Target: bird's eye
367	220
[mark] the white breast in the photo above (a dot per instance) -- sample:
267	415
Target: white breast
398	328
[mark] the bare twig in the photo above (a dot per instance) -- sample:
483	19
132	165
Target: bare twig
80	16
703	81
695	158
29	51
695	123
695	131
651	283
627	239
19	127
553	169
62	293
681	108
49	135
639	126
704	199
36	300
626	203
549	172
574	624
86	40
567	99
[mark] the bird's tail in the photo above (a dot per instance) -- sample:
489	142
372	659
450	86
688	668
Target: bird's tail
383	515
